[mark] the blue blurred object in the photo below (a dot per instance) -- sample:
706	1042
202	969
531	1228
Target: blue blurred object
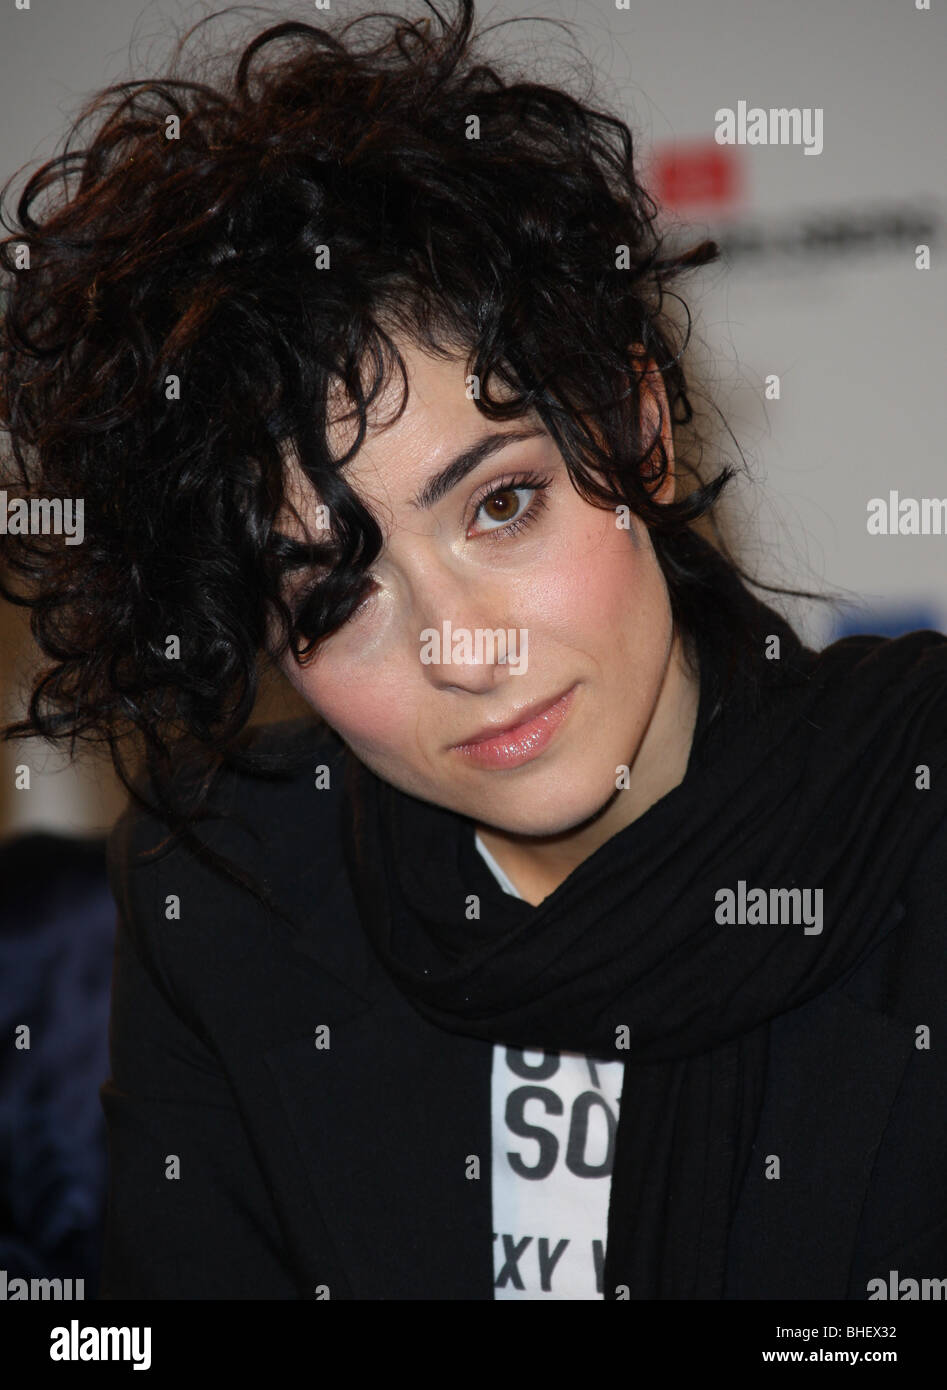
891	620
57	928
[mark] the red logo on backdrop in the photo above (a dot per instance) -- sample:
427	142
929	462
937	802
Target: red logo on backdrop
698	173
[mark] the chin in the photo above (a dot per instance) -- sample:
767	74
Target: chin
546	812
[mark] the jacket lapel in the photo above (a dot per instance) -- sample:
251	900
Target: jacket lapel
388	1117
388	1120
835	1069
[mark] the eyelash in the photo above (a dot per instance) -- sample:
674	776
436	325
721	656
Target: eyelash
528	481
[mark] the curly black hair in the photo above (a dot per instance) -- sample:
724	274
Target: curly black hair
233	249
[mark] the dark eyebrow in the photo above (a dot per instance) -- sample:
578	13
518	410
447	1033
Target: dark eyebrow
465	462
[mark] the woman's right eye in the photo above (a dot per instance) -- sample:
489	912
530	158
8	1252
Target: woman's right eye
301	593
364	602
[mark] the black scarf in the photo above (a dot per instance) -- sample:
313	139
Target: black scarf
804	777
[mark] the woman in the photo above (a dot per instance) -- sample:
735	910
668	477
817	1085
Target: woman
584	942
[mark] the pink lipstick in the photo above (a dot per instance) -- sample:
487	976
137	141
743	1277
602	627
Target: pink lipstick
524	741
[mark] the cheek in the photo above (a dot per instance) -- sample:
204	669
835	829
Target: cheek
367	714
595	586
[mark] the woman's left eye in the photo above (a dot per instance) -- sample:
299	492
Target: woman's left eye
507	509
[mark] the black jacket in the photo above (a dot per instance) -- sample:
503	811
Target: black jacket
305	1171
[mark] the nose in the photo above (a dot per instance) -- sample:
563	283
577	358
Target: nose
465	639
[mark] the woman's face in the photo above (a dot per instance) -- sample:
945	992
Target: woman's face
506	552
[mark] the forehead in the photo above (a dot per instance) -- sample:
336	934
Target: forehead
435	392
398	451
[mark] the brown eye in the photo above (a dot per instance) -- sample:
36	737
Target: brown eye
500	506
505	504
511	506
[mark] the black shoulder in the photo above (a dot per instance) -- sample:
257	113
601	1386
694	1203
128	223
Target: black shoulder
271	813
270	760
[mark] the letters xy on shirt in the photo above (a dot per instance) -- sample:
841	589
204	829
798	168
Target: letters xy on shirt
554	1118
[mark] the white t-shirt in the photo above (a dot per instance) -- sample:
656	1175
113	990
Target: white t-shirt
553	1122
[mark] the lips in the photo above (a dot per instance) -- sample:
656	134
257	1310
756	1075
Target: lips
527	740
525	716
